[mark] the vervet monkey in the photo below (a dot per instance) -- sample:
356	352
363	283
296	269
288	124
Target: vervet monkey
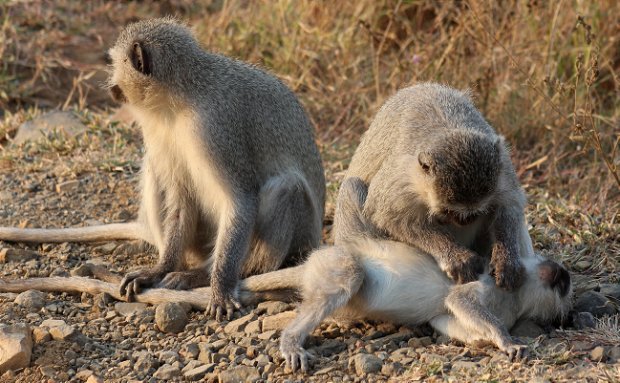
366	277
440	179
231	172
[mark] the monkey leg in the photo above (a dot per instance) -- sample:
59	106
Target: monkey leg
288	224
331	278
471	321
151	210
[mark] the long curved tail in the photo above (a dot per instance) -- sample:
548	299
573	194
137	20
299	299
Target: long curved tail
129	230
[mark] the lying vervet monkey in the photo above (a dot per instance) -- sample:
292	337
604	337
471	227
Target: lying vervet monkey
231	172
440	179
367	277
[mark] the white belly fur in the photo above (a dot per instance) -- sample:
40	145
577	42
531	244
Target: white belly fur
177	155
401	284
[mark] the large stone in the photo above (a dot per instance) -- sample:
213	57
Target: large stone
279	321
241	374
595	303
366	364
45	124
32	300
15	347
171	317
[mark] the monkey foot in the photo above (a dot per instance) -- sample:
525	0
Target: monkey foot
295	356
185	280
133	282
515	351
465	267
220	307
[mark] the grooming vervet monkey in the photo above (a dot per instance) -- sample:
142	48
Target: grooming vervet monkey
366	277
230	167
440	179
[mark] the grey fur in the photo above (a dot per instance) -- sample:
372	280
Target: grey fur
440	179
366	277
231	167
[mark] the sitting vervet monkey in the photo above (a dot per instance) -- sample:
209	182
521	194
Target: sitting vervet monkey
441	179
231	171
366	277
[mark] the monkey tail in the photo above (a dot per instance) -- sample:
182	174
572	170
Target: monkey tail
283	279
129	230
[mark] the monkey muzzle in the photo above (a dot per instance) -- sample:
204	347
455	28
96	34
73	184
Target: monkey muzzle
458	219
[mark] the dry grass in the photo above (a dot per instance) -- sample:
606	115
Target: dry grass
545	74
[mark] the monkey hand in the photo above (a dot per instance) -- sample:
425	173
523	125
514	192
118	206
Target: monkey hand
293	353
508	271
222	303
514	350
134	281
464	266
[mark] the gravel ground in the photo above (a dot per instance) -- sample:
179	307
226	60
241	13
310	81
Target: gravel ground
93	178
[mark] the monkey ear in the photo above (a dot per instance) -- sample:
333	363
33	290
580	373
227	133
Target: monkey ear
140	58
424	159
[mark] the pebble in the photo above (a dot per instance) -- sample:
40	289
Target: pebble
278	321
130	308
15	347
171	317
17	255
253	327
67	186
40	335
199	372
239	374
463	365
32	300
366	364
167	372
239	324
598	354
584	320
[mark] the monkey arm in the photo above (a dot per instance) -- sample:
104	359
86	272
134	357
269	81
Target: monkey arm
231	247
472	321
505	255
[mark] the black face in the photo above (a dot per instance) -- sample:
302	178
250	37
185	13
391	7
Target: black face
555	276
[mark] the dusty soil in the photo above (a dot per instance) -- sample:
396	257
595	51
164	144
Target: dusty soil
118	346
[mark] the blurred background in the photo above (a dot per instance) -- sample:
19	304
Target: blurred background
544	73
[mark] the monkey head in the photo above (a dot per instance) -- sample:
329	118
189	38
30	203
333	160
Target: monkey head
146	59
546	294
461	171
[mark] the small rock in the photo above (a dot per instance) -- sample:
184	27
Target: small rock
171	317
366	364
15	347
190	351
272	307
443	339
595	303
65	332
145	363
584	320
127	308
253	327
392	369
17	255
199	372
94	379
579	345
41	335
49	371
527	328
262	360
239	375
279	321
463	365
67	186
583	265
167	372
239	324
32	300
598	354
614	354
266	335
83	374
45	124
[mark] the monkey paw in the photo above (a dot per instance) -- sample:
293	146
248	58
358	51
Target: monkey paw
294	355
185	280
509	274
465	267
516	352
222	305
133	282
